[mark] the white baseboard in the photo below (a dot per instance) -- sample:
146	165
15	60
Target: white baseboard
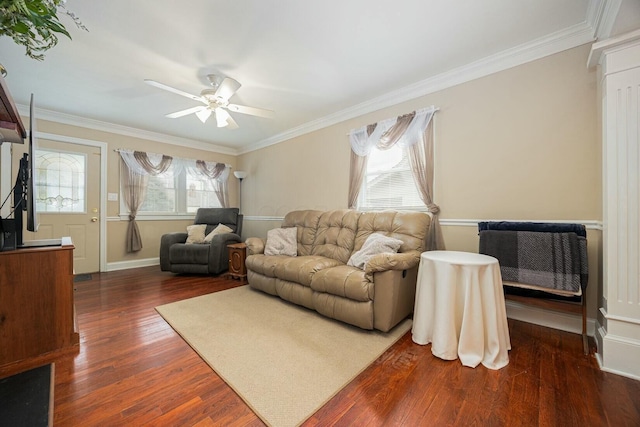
618	355
124	265
549	318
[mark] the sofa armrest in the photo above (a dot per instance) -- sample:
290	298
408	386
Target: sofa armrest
165	243
389	261
255	245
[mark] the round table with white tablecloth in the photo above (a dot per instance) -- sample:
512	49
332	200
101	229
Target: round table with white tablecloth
460	308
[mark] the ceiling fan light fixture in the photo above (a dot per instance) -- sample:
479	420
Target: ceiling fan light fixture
222	117
214	80
203	115
215	100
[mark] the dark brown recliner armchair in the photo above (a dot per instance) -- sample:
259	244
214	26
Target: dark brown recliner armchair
208	258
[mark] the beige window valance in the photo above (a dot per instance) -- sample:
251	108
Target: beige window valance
144	163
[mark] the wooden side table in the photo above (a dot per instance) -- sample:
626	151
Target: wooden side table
237	255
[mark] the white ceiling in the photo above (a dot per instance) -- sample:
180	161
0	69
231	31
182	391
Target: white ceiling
312	62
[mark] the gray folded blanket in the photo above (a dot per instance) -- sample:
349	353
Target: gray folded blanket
546	227
551	260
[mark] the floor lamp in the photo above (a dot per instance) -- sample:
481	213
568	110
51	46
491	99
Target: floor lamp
240	175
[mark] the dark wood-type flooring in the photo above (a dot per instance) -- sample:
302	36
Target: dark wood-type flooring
133	370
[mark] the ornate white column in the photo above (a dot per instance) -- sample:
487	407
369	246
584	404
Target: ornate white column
618	324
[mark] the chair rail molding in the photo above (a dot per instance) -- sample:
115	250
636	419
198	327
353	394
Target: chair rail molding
465	222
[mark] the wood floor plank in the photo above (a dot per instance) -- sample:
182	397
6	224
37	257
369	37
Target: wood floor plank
133	369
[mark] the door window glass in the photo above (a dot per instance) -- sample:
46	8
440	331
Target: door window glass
60	182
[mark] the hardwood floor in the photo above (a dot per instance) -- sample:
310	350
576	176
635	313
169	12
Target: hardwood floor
133	369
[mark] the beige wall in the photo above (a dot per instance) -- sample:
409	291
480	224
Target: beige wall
116	228
519	144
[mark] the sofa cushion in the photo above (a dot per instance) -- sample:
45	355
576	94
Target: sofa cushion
281	241
183	253
410	227
263	283
294	269
264	264
302	269
306	223
336	234
295	293
195	233
344	281
357	313
375	244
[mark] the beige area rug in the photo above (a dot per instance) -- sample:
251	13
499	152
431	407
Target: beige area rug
284	361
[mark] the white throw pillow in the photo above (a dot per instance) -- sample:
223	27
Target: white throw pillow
195	233
375	244
220	229
282	241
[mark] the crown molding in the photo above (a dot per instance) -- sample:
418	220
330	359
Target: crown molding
608	45
569	38
602	15
68	119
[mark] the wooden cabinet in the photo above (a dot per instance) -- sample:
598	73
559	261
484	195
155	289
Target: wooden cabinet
237	255
37	317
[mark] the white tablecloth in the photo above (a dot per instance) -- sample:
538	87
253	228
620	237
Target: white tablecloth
460	308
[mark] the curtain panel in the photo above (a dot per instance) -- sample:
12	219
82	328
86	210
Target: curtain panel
134	188
412	132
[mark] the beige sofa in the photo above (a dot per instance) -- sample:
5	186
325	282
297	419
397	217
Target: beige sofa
378	297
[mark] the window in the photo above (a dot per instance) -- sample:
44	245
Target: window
200	193
171	194
388	182
161	193
60	182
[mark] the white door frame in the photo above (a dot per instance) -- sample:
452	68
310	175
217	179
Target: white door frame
103	184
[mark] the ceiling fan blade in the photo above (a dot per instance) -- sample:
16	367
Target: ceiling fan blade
174	90
204	114
224	119
227	88
253	111
221	117
231	124
185	112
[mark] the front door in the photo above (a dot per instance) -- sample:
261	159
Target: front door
68	199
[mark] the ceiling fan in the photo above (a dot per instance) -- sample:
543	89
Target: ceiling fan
215	100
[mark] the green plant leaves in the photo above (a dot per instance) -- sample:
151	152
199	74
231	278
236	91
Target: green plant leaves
33	24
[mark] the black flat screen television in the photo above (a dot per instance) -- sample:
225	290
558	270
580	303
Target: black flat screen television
32	212
11	233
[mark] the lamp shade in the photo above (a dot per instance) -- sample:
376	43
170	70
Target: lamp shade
240	174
